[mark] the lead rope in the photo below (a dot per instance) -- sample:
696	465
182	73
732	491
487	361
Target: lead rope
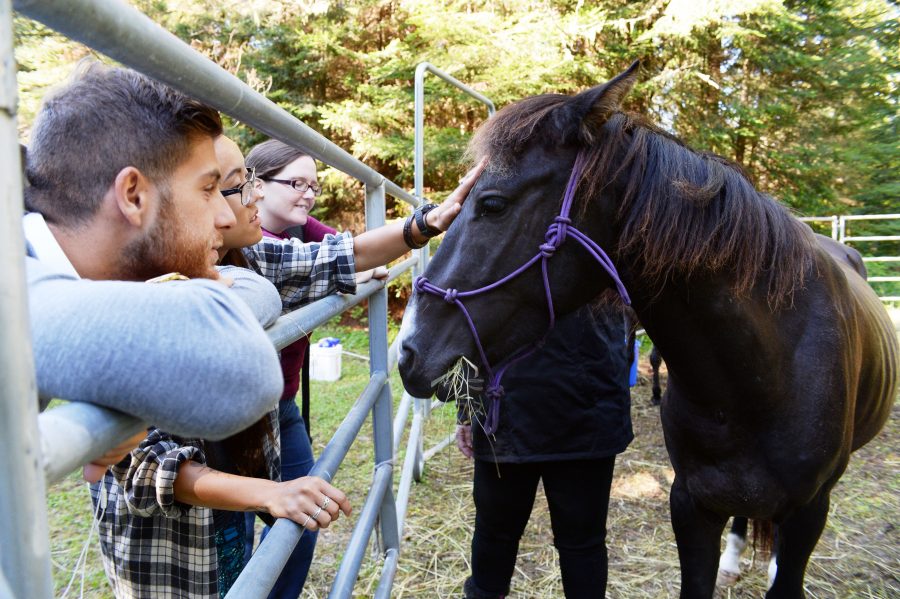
556	235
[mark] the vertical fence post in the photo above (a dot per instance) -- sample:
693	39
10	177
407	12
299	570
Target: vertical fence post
382	417
25	552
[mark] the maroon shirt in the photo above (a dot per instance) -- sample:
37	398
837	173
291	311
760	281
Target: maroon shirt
292	355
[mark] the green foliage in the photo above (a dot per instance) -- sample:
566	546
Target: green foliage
803	94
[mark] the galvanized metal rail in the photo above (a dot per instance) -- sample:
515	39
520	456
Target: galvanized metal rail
38	449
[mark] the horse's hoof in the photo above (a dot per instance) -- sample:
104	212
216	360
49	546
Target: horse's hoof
727	579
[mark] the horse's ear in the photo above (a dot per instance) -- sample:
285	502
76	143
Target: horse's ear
594	106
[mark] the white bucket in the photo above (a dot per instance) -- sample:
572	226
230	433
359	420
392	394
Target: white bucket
325	362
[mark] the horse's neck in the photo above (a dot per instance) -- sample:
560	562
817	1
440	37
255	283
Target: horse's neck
703	332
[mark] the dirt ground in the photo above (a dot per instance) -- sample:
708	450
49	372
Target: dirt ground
857	556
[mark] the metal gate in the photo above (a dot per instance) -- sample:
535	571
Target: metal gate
36	450
839	227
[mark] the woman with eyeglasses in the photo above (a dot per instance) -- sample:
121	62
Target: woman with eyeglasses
306	260
289	186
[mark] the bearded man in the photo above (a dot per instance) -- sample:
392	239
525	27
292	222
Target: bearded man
122	188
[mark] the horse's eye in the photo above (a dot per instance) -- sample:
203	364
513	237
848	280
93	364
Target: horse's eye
492	205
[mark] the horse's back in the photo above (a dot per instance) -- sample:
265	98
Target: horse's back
872	348
843	254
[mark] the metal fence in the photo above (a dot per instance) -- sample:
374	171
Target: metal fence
839	227
36	450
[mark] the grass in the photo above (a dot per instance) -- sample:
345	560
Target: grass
858	555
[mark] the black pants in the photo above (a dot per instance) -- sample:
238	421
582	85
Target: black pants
578	495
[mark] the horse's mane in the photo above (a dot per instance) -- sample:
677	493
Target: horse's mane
681	212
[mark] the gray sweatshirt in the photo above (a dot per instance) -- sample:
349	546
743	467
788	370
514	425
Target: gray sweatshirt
187	356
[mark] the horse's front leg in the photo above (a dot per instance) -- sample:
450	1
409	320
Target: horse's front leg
797	537
697	534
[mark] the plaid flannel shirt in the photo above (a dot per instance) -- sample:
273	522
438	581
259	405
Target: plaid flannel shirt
153	546
305	272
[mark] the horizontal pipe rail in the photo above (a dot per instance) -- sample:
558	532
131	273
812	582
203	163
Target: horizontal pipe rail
872	238
440	445
76	433
124	33
301	321
868	216
365	524
263	569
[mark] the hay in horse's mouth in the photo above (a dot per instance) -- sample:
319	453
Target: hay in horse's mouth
455	379
458	384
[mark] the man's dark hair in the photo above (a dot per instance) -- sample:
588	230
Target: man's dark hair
103	120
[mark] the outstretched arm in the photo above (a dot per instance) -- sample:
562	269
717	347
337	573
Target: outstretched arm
305	272
379	246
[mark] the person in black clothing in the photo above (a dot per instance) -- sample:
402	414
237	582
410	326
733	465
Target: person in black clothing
565	415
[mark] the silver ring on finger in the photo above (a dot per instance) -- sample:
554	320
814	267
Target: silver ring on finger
326	502
305	522
315	515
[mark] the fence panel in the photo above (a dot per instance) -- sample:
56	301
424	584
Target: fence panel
839	227
123	33
25	555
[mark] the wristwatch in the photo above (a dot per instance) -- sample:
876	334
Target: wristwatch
424	229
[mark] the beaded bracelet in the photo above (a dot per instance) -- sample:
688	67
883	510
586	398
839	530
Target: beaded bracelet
407	235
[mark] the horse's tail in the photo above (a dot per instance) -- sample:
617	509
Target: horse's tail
763	538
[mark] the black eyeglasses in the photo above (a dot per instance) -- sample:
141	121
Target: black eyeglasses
246	188
297	185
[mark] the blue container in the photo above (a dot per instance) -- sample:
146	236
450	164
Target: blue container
632	377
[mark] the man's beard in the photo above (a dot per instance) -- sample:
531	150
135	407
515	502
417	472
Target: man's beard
168	247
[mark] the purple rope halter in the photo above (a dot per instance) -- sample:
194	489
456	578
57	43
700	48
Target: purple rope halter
556	235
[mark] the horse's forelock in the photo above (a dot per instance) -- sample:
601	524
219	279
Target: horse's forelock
515	127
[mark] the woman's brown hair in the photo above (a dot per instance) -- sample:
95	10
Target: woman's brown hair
271	156
242	451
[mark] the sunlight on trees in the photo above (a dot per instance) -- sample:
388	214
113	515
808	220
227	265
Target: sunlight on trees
802	94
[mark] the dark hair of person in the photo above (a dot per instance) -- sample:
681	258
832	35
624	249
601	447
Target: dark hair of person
269	157
234	257
242	452
101	121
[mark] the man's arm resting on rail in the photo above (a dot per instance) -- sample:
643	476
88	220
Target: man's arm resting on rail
187	356
257	292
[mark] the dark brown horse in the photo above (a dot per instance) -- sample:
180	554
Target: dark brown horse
781	360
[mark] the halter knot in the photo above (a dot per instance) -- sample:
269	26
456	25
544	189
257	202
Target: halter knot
547	249
420	283
495	393
450	295
558	229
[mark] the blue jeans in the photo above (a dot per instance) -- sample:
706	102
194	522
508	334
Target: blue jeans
296	461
